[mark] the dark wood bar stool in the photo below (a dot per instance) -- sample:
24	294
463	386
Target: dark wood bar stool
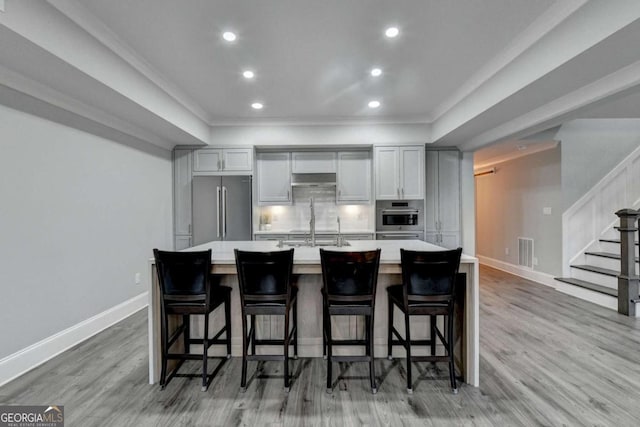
265	289
185	290
428	289
349	288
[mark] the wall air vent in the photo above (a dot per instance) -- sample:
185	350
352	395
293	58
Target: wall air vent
525	252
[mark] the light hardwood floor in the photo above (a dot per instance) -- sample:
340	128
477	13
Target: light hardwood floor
546	359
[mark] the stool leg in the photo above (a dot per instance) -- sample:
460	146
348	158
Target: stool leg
452	367
329	351
205	350
372	367
295	325
286	352
186	321
253	334
227	321
324	329
407	344
432	322
390	331
245	346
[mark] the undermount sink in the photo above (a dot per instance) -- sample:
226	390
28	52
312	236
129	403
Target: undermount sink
307	243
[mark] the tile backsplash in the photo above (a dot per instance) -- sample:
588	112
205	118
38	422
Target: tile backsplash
297	215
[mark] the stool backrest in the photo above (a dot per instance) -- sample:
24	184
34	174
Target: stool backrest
264	276
183	273
350	276
430	276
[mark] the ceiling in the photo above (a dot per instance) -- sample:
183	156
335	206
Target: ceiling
465	73
312	58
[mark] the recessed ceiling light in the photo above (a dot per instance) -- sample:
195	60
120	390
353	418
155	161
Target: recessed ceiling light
522	147
257	106
229	36
248	74
375	72
392	32
374	104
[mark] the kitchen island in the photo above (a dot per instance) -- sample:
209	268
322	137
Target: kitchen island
308	277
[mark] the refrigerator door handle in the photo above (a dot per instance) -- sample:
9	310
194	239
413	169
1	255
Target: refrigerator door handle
218	212
224	211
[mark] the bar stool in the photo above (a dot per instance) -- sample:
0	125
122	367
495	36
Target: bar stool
185	290
349	288
428	289
265	289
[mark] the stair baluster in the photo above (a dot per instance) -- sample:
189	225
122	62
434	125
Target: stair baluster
628	280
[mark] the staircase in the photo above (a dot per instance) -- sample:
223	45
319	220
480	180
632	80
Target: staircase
591	240
594	277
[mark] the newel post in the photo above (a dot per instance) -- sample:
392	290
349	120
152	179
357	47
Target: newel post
627	280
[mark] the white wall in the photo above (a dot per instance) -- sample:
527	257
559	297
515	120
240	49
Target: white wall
79	216
509	204
591	148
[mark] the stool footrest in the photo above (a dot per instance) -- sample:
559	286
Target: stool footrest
350	358
265	357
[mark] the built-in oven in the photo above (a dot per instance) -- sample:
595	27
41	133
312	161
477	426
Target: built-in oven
399	215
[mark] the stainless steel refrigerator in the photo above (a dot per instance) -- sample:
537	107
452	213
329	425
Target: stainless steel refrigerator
221	208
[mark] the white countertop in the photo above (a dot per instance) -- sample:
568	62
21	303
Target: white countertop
223	251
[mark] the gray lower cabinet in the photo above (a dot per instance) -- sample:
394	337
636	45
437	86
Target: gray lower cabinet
442	215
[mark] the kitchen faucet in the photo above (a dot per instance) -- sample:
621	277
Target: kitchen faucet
312	223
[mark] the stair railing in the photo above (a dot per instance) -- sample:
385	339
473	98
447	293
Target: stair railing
628	280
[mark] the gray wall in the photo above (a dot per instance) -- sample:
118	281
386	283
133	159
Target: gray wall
79	217
509	204
591	148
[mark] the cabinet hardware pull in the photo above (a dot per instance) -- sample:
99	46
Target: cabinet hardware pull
218	211
219	165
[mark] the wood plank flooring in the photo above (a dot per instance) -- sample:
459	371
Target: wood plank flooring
546	359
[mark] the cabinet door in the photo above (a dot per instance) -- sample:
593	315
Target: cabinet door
412	172
182	192
449	240
313	162
387	173
431	193
237	159
353	178
449	191
207	160
182	242
274	178
432	238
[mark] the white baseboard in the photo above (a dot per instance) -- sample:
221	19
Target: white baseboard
22	361
535	276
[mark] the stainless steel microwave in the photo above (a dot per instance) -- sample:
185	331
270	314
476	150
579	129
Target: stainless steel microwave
399	215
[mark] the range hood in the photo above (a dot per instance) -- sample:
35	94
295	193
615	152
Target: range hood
313	179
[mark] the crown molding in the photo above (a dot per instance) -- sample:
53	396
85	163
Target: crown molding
580	31
546	22
57	99
327	121
554	112
82	17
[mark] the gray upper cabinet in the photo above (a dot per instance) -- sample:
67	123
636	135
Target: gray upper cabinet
221	161
442	215
399	172
274	178
182	197
313	162
353	178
